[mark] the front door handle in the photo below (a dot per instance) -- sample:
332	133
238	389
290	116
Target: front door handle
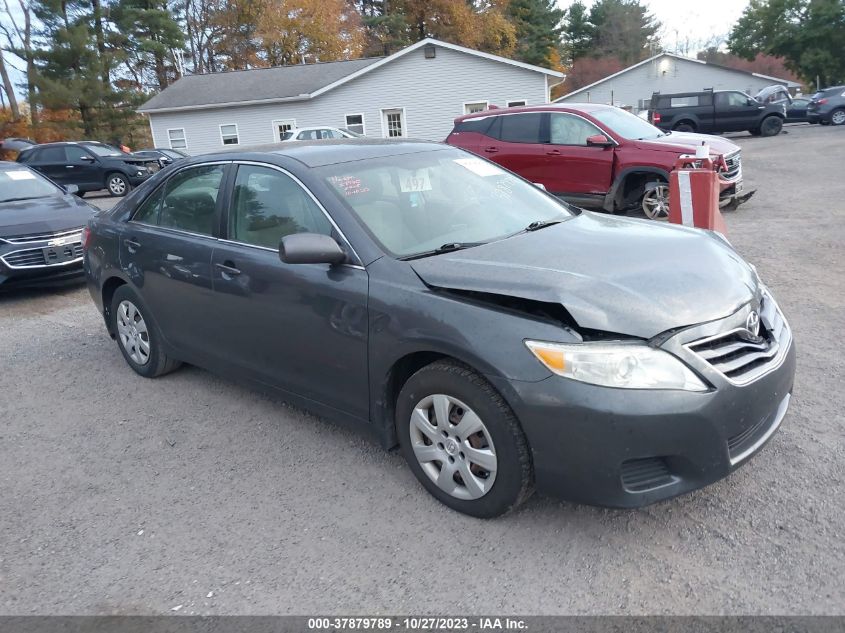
227	270
68	166
491	150
553	152
132	245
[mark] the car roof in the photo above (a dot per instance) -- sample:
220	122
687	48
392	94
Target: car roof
315	127
330	152
587	108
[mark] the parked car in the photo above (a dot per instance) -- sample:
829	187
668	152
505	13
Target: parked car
592	155
40	228
827	106
711	111
164	156
318	133
501	337
89	165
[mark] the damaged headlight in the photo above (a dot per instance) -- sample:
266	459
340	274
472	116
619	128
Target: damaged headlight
623	365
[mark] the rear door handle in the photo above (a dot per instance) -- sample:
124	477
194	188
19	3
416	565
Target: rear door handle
491	150
68	166
228	270
132	245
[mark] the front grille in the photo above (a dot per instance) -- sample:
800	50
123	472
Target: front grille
40	237
733	165
742	357
640	475
38	257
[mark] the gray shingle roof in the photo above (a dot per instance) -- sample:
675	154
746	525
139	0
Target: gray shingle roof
282	82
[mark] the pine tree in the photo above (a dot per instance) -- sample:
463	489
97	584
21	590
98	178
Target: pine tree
538	30
577	32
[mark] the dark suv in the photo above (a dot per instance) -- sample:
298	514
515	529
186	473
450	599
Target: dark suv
827	106
90	166
716	111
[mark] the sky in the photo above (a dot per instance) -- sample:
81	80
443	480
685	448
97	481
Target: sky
689	25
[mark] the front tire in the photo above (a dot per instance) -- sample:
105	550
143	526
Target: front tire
771	126
117	184
462	441
655	202
137	336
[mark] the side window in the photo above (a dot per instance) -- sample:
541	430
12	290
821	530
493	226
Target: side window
567	129
731	99
190	200
147	213
269	205
76	154
521	128
52	155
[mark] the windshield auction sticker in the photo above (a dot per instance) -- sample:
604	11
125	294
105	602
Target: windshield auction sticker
20	175
479	167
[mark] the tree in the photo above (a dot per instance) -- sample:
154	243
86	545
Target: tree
538	30
8	88
762	63
808	34
577	32
147	36
623	29
19	43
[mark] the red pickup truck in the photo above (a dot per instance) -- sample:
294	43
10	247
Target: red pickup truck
592	155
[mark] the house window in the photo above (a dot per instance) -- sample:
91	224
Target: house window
476	106
281	128
517	103
229	134
394	123
177	138
355	123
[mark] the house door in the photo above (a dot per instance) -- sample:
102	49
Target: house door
393	123
282	126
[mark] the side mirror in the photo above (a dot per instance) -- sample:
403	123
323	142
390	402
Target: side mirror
752	102
310	248
598	140
87	159
71	189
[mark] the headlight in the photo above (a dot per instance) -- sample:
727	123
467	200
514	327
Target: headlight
624	365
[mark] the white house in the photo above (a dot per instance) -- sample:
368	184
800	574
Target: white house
416	92
669	73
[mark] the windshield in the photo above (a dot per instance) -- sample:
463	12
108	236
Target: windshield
417	203
23	184
627	125
103	150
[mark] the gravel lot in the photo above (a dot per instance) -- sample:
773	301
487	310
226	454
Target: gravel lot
125	495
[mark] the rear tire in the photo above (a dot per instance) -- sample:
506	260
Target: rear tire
685	126
462	441
137	336
837	117
771	126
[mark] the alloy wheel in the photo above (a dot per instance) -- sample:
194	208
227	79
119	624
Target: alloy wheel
838	117
656	202
133	332
117	186
453	447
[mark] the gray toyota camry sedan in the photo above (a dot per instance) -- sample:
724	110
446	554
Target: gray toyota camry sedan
502	339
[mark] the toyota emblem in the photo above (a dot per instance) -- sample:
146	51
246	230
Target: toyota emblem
752	323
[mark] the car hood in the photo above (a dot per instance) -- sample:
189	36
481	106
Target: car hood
686	142
43	215
624	276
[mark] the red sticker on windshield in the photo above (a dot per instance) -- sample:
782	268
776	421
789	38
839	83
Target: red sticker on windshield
349	185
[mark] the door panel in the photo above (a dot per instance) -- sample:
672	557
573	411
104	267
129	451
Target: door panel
516	142
82	168
571	166
301	327
733	113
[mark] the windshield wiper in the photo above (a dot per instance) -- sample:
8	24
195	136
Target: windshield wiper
536	225
448	247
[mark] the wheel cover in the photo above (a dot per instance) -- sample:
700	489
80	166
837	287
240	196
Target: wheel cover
117	185
838	117
453	447
656	203
133	332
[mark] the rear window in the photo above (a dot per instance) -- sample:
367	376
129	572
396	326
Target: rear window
480	125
